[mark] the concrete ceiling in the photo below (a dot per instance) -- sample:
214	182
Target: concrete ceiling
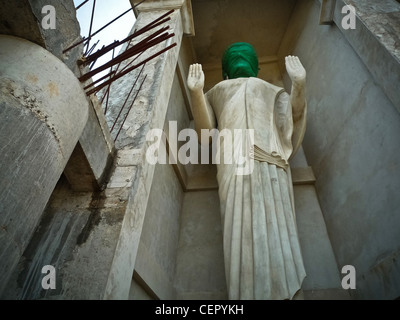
219	23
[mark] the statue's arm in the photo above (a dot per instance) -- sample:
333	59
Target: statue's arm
297	100
203	113
297	74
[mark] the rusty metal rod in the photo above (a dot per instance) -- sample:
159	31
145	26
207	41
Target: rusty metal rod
115	44
121	74
130	107
93	46
109	86
76	44
113	72
98	80
107	93
98	53
126	99
109	82
116	70
144	29
156	20
141	45
153	24
133	60
112	21
122	14
150	41
108	89
90	27
127	54
86	1
92	65
92	35
149	27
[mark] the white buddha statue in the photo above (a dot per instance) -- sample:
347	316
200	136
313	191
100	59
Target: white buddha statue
262	254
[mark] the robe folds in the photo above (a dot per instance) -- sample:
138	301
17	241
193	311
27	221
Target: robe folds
262	253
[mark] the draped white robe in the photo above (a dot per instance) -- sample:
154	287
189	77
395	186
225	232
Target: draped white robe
261	247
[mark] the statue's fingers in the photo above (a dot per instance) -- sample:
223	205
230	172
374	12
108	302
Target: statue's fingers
198	70
297	62
191	70
290	62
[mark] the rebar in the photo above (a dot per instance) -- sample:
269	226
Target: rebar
143	45
130	107
112	46
90	27
86	1
126	100
121	74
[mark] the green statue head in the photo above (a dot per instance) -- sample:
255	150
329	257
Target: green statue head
239	60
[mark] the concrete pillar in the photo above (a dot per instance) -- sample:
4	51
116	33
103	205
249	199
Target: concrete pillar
148	112
43	111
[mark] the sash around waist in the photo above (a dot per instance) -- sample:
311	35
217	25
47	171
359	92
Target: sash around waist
274	158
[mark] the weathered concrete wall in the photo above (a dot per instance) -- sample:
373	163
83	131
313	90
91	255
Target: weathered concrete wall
322	275
18	20
48	96
97	152
137	292
352	142
158	248
41	124
220	23
76	235
156	258
200	272
148	112
67	30
376	35
23	18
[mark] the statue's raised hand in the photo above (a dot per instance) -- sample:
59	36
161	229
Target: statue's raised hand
195	80
295	69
